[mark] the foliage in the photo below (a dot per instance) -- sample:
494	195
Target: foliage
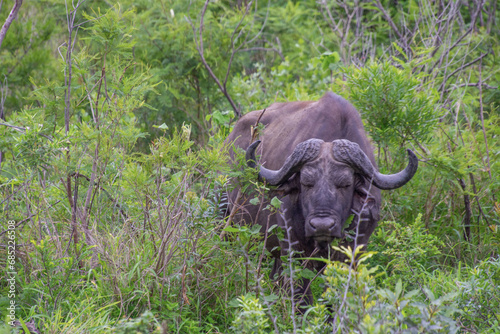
251	318
404	248
354	302
113	163
138	325
396	107
372	310
478	296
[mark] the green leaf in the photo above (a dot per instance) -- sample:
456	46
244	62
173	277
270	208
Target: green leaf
23	325
307	273
399	288
329	58
162	127
255	201
400	50
348	221
276	203
231	229
272	228
234	303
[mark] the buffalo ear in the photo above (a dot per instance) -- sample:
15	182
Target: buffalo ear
291	186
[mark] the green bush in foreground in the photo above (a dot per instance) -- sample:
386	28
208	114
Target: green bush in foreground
478	297
354	302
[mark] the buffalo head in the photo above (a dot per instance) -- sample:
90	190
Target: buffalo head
324	177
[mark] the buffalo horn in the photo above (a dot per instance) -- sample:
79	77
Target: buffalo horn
303	152
350	153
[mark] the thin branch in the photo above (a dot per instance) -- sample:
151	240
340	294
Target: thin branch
70	17
331	22
17	128
23	130
491	16
199	47
445	54
481	113
461	68
233	50
9	20
388	18
100	187
468	210
261	28
353	260
93	19
254	128
449	17
472	84
26	219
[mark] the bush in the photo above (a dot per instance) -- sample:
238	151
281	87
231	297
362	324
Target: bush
478	297
406	251
396	106
353	301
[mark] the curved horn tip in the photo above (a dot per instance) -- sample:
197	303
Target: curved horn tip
254	145
394	181
250	154
413	158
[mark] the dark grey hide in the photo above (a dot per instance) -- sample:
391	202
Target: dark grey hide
320	161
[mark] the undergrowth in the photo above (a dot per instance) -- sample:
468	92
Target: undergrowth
117	231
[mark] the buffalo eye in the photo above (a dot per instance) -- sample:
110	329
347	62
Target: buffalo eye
344	184
307	180
343	181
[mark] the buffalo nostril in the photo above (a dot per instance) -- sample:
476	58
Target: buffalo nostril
322	224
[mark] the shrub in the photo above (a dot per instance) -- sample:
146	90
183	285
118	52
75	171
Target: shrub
406	251
353	301
478	297
394	104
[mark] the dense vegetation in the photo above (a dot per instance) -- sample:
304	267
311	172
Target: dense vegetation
113	117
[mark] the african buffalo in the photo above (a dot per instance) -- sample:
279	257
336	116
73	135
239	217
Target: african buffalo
320	161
